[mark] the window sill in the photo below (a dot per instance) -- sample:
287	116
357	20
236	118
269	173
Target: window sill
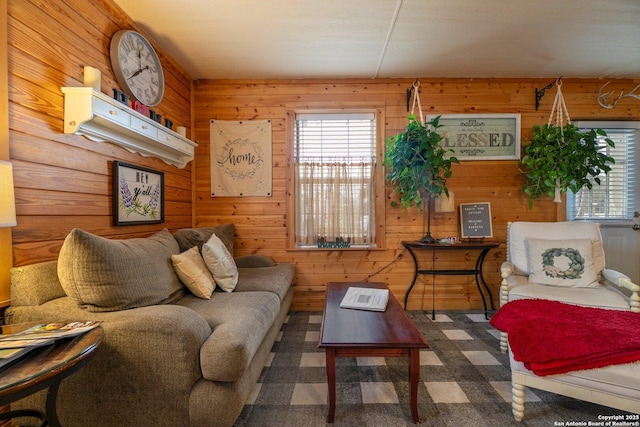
355	248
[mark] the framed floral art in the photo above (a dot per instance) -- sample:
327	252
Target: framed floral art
138	195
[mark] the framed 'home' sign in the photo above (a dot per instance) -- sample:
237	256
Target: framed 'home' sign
475	220
480	136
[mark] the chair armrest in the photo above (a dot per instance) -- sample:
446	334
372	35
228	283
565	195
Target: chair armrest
254	261
619	280
506	270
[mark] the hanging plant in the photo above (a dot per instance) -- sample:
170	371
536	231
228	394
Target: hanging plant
560	156
417	166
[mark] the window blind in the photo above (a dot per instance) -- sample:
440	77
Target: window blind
614	198
335	137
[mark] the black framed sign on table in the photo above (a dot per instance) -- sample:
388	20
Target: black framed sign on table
475	220
138	195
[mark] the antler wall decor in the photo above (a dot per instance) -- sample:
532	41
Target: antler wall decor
603	98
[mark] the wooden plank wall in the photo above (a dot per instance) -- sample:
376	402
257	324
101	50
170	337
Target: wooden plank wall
261	222
64	181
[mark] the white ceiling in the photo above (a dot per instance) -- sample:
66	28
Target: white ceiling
291	39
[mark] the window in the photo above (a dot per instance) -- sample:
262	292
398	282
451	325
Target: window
614	198
336	169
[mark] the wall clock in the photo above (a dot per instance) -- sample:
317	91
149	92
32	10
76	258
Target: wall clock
137	67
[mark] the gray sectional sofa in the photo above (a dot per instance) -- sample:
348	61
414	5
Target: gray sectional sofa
169	358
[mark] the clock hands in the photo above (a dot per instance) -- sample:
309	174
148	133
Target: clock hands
146	67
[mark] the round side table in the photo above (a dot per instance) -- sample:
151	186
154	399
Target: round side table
45	367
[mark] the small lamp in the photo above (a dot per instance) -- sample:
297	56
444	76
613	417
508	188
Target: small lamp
7	197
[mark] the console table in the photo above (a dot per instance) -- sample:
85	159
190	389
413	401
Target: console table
483	248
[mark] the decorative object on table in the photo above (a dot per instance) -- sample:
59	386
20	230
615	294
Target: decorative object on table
155	116
138	195
560	156
168	123
417	165
140	107
181	130
121	97
7	196
137	67
92	78
339	243
240	158
603	98
372	299
475	220
480	136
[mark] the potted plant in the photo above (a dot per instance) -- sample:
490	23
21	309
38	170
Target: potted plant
418	167
562	157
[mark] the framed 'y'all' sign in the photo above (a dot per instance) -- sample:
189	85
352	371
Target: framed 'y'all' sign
138	195
480	136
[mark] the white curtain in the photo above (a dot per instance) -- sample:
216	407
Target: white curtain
334	200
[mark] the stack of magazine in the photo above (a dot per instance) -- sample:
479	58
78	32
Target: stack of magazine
373	299
15	346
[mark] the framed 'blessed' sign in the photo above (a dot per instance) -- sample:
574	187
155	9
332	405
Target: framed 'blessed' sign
480	136
475	220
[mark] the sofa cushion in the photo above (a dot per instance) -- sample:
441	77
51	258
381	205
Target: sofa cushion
193	272
220	263
240	322
602	297
189	237
102	274
561	263
276	279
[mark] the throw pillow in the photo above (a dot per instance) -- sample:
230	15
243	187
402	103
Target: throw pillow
193	272
189	237
566	263
102	274
220	263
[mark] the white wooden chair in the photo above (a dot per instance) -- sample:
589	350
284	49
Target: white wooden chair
615	386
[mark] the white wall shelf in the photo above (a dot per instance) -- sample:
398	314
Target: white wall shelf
103	119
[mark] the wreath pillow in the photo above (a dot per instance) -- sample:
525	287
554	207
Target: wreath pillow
567	263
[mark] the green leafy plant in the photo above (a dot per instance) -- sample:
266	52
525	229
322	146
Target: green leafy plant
560	158
417	166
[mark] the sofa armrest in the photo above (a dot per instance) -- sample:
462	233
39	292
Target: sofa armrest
151	352
254	261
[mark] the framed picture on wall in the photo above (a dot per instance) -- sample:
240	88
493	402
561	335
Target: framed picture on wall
480	136
138	195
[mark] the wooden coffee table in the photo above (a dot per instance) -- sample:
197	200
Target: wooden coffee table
361	333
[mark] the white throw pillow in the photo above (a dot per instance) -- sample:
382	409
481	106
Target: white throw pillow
567	263
220	263
193	272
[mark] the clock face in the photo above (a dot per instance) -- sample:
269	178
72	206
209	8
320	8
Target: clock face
137	67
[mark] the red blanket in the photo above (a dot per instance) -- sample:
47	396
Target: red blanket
551	337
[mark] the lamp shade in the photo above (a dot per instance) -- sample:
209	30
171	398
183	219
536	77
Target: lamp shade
445	204
7	197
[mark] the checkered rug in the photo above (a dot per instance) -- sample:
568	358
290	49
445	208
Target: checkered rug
464	381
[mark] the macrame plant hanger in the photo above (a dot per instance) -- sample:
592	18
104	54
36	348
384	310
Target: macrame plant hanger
416	100
556	117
